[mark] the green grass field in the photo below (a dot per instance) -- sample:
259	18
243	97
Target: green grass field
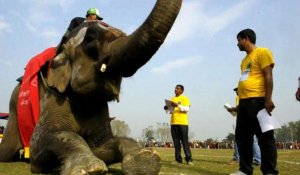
207	162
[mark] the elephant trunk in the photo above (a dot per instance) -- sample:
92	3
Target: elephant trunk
128	54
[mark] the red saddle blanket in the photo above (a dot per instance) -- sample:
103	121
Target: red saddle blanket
28	100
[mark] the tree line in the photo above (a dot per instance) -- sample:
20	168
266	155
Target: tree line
289	132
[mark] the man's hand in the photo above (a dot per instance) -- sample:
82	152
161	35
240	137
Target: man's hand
269	105
232	109
174	104
165	107
298	94
268	76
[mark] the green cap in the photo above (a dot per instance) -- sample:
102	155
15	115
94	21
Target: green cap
94	11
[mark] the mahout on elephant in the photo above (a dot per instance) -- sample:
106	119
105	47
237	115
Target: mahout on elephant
73	133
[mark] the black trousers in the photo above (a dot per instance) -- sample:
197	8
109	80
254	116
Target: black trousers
180	136
246	126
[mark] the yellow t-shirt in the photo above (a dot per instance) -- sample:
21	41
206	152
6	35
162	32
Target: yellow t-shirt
178	117
252	82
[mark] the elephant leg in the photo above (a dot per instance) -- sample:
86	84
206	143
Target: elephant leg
135	159
69	150
11	142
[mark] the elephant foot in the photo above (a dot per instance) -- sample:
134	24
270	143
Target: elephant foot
144	162
84	165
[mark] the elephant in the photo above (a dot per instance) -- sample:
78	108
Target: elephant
73	134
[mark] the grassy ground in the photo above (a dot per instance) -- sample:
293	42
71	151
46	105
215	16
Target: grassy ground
207	162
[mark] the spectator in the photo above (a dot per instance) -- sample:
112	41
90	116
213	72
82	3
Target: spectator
256	150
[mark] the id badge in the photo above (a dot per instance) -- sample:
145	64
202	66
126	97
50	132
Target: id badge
245	75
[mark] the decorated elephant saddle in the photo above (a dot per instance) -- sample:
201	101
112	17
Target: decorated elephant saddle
28	100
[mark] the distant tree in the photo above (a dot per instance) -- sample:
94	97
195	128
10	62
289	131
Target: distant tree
297	130
288	133
230	137
148	133
209	140
163	132
282	134
191	135
120	128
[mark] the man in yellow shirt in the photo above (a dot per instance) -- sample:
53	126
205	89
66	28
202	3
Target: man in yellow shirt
179	124
255	93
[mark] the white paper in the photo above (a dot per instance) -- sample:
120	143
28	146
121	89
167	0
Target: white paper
169	105
266	121
227	106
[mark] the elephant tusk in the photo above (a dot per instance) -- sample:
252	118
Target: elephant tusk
103	68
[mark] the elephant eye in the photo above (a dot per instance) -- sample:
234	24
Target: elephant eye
89	37
91	34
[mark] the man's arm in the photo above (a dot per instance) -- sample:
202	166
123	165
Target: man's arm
268	77
298	94
181	107
298	90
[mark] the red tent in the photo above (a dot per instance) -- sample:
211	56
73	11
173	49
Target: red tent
3	115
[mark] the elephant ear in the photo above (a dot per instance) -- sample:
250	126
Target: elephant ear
59	74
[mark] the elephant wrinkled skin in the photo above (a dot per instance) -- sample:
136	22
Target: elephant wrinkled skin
73	134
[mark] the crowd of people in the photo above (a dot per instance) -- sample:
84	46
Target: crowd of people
1	132
195	144
2	129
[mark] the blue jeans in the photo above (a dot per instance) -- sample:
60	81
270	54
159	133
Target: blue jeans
236	155
256	152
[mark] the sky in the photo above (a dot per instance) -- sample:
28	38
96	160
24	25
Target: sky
200	53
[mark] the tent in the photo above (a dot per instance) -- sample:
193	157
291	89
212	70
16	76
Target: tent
3	122
4	116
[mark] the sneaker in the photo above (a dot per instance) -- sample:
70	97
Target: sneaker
233	162
190	163
238	173
256	163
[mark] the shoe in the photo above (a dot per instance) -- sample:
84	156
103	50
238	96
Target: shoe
238	173
256	163
190	163
233	162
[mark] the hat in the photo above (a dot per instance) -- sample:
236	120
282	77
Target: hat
93	11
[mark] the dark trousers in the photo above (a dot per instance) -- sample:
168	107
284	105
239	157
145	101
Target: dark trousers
246	126
180	135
